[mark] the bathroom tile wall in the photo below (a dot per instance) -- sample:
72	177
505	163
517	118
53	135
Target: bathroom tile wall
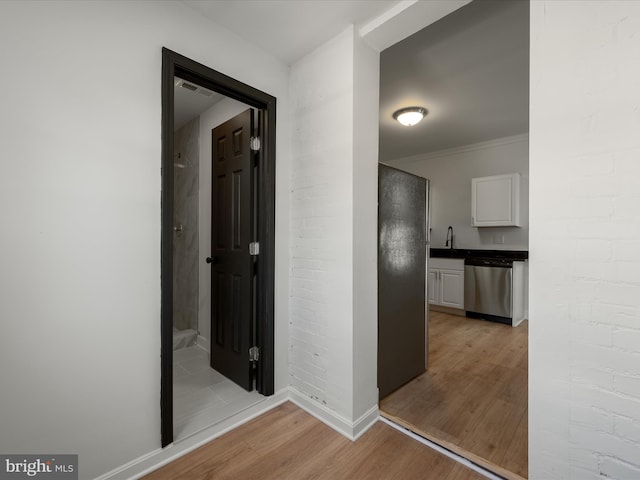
185	219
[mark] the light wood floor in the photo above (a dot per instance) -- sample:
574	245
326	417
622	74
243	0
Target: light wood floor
288	443
473	398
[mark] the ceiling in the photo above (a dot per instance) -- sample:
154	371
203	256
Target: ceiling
290	29
470	69
286	29
189	103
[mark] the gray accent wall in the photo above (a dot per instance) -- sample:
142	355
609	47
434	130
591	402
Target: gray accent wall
186	166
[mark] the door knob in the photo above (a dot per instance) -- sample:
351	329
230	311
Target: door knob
212	259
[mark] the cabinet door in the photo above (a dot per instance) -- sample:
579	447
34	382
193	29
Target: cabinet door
452	288
432	286
495	201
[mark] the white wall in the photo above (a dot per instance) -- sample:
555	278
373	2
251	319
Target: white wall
219	113
365	227
584	383
451	171
321	332
80	216
324	268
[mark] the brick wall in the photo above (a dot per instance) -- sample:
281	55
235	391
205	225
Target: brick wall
320	331
334	214
585	240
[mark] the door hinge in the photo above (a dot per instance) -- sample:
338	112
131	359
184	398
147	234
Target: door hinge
254	354
254	248
255	144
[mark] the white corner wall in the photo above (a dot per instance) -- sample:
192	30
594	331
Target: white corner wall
365	228
451	171
584	383
80	196
321	327
327	315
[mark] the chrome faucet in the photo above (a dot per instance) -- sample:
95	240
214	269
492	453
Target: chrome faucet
449	237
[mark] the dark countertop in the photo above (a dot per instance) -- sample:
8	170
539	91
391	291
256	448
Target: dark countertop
471	253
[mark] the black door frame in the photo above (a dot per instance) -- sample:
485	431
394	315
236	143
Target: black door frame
174	64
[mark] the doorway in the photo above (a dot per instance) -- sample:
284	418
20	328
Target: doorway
473	398
261	337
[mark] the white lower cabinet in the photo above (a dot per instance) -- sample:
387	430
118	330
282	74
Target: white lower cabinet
446	282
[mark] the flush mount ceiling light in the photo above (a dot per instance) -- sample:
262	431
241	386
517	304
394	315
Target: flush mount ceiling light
410	116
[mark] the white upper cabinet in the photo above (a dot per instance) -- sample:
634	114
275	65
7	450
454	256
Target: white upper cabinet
495	201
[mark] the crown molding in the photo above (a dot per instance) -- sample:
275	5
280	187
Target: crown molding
498	142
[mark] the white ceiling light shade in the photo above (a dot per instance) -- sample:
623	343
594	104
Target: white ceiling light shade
410	116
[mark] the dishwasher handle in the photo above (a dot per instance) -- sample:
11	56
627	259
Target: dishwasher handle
488	262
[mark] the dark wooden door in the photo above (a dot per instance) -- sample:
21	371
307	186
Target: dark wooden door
401	277
232	271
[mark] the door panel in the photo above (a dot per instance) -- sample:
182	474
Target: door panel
401	277
232	271
452	289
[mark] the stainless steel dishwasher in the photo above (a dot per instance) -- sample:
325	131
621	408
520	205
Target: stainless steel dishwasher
488	289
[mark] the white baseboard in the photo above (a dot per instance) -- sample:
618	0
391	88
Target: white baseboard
203	343
160	457
149	462
366	421
351	430
515	323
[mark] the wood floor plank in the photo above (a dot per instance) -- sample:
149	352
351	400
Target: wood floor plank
229	450
515	456
498	425
303	456
288	423
304	448
473	398
395	457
